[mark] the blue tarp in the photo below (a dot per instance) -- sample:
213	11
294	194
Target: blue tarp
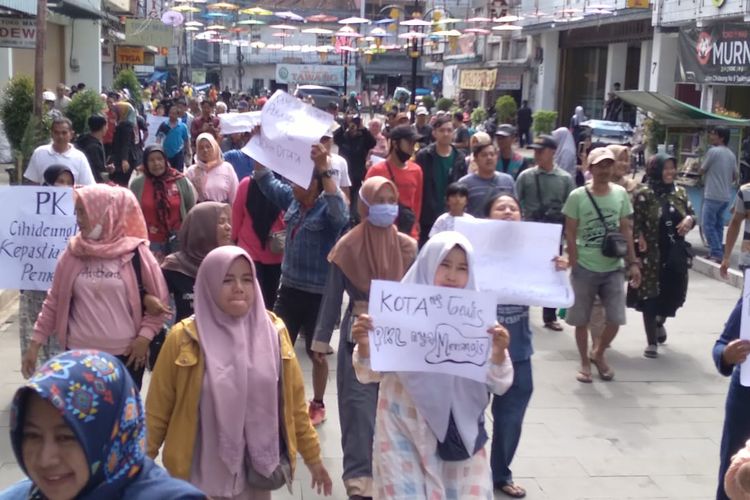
158	76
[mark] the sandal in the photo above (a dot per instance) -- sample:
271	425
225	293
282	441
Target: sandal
605	375
554	326
584	377
652	351
510	489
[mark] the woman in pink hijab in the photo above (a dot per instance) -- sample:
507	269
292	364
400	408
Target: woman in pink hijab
213	178
95	301
226	397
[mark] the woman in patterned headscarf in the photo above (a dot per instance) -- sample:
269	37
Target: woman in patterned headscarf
127	150
96	297
78	431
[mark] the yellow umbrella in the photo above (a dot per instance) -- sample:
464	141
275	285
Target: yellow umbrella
185	8
222	6
256	11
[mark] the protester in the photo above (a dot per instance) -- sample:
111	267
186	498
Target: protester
542	192
242	163
92	146
258	228
374	249
111	115
215	426
509	409
476	139
206	123
729	352
94	301
461	133
375	126
720	173
456	199
414	409
406	175
735	224
613	106
59	152
338	164
487	182
622	168
206	226
173	135
566	153
595	272
524	119
424	129
62	101
127	150
315	218
576	121
509	161
166	196
77	431
213	178
354	142
662	216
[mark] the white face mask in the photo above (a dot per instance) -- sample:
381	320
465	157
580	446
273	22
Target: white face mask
95	233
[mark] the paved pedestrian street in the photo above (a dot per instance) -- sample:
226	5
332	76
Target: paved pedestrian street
653	432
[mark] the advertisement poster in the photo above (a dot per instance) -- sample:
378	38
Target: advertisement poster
718	55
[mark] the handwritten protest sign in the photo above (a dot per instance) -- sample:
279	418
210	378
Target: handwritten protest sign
289	128
153	122
236	123
745	329
421	328
514	260
35	224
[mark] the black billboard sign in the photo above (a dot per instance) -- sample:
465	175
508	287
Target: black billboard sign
718	55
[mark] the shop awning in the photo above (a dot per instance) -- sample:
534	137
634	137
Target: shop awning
673	112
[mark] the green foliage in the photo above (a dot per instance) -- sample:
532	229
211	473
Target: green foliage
16	108
506	109
126	79
655	133
428	102
478	116
36	133
444	104
544	121
81	107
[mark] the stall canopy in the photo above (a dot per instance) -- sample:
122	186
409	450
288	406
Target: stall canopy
672	112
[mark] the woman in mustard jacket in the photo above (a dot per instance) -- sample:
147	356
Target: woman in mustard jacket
222	376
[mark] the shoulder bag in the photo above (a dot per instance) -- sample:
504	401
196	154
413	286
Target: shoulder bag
545	213
679	258
614	244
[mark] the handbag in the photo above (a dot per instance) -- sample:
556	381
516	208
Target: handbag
614	244
406	216
277	242
680	256
154	348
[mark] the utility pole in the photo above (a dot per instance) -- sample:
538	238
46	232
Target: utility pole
41	45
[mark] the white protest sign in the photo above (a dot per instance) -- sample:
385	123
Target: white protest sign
514	260
236	123
745	329
289	128
153	122
420	328
35	224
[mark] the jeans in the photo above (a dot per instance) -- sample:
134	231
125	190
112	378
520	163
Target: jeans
712	221
508	411
178	161
736	428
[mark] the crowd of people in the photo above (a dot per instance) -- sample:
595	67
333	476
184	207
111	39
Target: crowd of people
203	265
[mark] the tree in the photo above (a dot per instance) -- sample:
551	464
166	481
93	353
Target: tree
478	116
444	104
81	107
544	121
506	109
126	79
16	108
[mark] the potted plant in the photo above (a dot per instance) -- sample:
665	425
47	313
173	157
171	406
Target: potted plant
506	109
81	107
544	121
444	104
478	116
16	109
428	102
126	79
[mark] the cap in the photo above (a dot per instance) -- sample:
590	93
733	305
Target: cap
402	116
422	111
505	130
544	141
598	155
48	95
403	132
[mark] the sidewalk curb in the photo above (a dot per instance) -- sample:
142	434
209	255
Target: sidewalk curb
711	269
6	297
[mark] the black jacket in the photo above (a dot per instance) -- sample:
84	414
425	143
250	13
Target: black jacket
433	203
524	117
94	151
354	146
124	148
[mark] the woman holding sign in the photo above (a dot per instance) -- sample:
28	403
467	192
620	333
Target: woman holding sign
374	249
429	431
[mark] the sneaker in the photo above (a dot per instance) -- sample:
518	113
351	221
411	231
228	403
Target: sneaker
652	351
317	412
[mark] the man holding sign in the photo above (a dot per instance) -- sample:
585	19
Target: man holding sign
420	412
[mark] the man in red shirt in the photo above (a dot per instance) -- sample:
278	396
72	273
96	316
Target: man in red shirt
407	176
109	137
206	122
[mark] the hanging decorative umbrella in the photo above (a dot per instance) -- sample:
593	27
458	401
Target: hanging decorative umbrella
172	18
478	31
317	31
599	6
594	12
206	35
281	34
507	27
211	15
186	8
415	22
192	28
274	46
410	35
241	43
222	6
189	1
448	20
507	19
291	48
289	16
322	18
251	22
378	32
446	33
256	11
283	27
350	33
355	20
215	27
194	23
258	45
387	20
479	20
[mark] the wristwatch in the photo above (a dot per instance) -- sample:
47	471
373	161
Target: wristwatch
326	174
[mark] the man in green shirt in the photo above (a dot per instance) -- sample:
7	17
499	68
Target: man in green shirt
594	273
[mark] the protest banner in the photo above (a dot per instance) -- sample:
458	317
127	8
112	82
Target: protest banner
236	123
153	122
514	260
35	224
745	329
289	128
420	328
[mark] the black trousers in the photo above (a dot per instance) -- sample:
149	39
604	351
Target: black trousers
299	311
268	276
137	375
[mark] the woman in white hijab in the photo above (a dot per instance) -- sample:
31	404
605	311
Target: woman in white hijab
565	154
429	430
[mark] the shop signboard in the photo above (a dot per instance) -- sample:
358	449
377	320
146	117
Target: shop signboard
509	79
198	76
637	4
17	33
477	79
129	55
315	74
718	55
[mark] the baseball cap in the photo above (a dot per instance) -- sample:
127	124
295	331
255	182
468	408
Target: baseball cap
544	141
598	155
505	130
403	132
48	95
422	111
402	116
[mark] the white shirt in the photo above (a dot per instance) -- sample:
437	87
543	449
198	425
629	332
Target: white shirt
340	170
446	222
44	157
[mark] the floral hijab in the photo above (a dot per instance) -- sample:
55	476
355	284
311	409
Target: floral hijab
99	401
